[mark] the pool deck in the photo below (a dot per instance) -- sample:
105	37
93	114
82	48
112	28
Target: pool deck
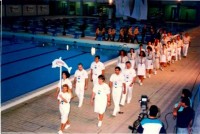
41	114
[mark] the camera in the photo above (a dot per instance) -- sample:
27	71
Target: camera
143	113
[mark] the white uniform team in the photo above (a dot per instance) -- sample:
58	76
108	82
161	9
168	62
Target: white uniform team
122	81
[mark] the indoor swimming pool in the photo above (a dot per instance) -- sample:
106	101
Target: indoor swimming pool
27	60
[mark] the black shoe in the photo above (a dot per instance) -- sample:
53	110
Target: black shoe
120	112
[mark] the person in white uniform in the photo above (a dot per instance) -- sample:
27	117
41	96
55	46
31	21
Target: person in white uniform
64	98
100	98
156	60
97	68
149	61
141	68
80	83
174	50
130	76
169	52
65	80
122	59
117	84
138	51
179	46
132	57
163	57
186	42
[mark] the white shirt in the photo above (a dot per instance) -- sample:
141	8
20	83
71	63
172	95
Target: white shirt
66	81
149	56
131	56
186	40
129	74
97	68
101	91
122	59
81	76
117	80
67	96
179	43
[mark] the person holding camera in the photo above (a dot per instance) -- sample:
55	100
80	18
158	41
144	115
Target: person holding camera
151	125
184	117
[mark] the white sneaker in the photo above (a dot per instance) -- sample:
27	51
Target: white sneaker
67	126
141	83
145	77
149	76
79	106
60	132
114	114
155	72
100	124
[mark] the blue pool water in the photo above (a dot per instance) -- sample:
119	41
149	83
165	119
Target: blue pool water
26	62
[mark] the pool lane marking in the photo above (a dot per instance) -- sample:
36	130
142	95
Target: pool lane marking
20	50
29	57
38	68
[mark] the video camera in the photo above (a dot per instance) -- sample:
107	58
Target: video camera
143	113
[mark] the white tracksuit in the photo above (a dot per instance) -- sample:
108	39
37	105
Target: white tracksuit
117	88
80	84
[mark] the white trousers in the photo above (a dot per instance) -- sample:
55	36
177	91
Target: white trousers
179	53
116	94
95	78
128	95
185	49
80	92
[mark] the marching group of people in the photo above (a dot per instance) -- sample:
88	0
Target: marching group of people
139	64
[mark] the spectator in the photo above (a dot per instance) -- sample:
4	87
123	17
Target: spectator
135	34
121	35
185	117
144	31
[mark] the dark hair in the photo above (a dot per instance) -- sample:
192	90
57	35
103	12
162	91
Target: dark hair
123	52
141	45
186	100
132	49
80	64
150	48
153	111
128	62
102	77
97	56
118	68
144	55
186	93
66	73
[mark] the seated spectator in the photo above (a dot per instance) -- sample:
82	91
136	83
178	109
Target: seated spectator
135	34
130	34
97	33
109	34
113	33
121	35
104	33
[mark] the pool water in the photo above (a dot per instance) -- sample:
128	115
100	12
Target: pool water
27	62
